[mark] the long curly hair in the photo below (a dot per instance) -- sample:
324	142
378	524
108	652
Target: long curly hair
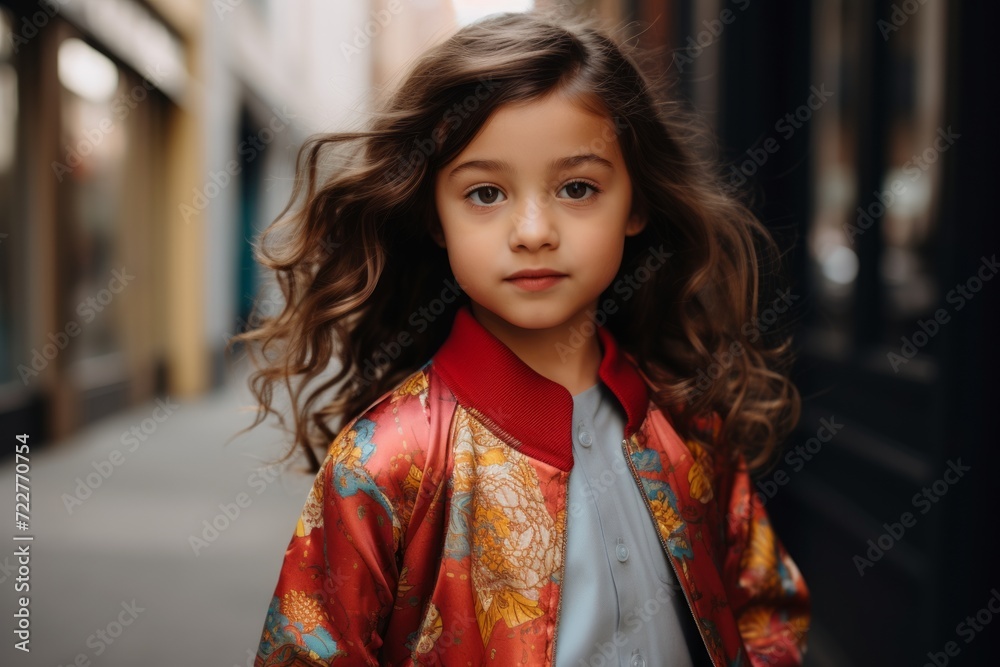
357	267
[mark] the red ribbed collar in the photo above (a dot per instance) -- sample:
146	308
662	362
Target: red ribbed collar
484	374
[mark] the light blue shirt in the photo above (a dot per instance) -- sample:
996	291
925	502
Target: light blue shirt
621	603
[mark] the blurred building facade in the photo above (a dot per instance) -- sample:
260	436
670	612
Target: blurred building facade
143	146
99	130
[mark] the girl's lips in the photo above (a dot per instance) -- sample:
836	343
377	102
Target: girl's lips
535	284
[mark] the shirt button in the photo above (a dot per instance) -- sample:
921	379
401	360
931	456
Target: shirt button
585	438
621	551
638	661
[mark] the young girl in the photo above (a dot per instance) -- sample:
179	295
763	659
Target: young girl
526	276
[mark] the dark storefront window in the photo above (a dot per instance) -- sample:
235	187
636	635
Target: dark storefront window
911	181
833	257
886	219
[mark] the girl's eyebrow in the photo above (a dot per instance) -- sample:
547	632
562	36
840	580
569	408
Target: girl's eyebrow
559	164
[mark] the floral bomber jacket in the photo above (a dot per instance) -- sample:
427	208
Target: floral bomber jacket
434	533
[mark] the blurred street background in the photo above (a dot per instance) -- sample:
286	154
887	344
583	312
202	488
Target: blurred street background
144	144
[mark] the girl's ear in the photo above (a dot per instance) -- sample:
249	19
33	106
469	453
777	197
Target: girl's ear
636	222
436	232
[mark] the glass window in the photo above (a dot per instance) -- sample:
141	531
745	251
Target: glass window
90	174
902	208
911	182
832	256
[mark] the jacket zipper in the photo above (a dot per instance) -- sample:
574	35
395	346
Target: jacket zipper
513	442
562	573
483	419
666	551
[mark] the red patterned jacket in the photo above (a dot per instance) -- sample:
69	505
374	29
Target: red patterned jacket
435	531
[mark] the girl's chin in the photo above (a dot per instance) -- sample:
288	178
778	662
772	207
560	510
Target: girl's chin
541	315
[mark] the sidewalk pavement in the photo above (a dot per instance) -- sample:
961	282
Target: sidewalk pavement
134	562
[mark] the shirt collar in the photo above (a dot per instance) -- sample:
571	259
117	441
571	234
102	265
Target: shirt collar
485	375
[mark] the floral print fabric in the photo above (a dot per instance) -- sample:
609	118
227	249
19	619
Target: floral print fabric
428	538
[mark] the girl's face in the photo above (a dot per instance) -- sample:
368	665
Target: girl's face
543	187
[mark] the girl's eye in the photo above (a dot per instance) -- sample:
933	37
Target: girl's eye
578	190
486	194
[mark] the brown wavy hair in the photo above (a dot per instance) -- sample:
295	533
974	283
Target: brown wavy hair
355	262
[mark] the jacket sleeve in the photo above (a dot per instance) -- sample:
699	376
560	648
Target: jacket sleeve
338	580
767	593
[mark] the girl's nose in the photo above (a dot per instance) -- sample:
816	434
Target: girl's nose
534	225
